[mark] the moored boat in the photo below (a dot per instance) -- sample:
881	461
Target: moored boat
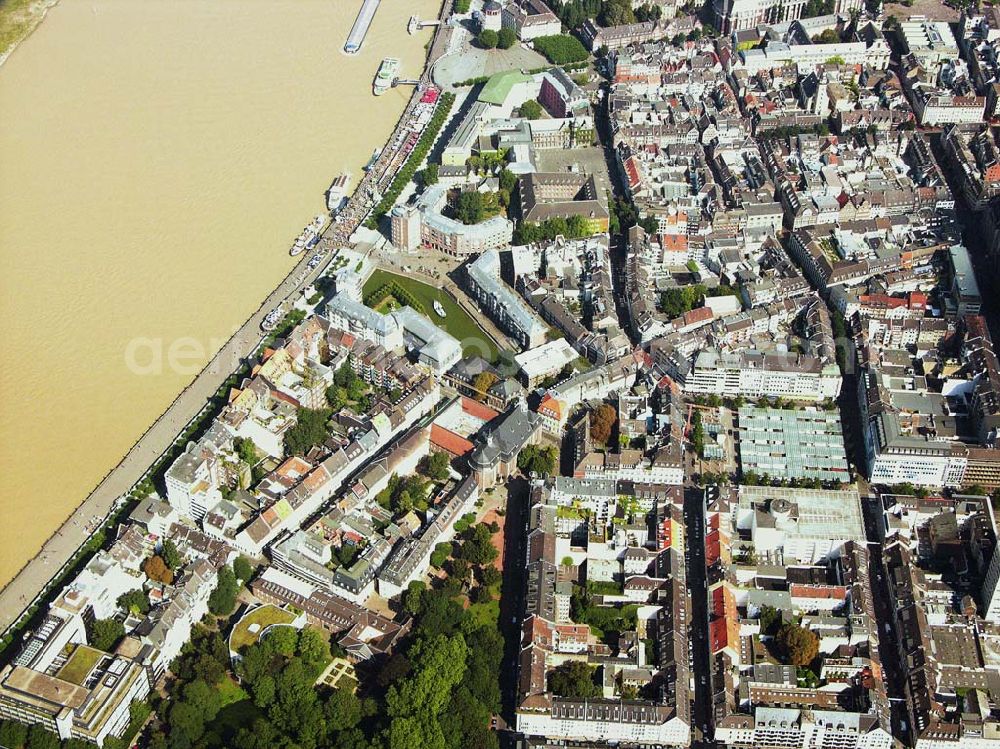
336	196
387	73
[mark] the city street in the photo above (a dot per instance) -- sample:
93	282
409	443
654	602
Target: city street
694	517
892	667
512	597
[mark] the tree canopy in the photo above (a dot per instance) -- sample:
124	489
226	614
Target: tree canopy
574	680
104	634
482	382
531	110
310	430
403	494
562	49
535	459
602	422
474	207
222	601
157	571
574	227
506	38
171	556
797	645
135	601
435	466
488	39
479	548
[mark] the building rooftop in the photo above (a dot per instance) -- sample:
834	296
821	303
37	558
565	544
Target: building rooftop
499	86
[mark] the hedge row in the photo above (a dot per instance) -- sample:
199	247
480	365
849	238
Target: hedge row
417	155
397	292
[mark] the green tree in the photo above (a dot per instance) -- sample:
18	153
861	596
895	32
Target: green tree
310	430
342	710
393	670
490	576
440	554
561	49
474	207
480	549
262	735
770	620
617	13
435	466
222	601
242	568
675	302
430	176
314	649
171	557
573	680
283	641
506	38
539	460
135	601
697	434
104	634
488	39
13	735
508	180
246	450
415	705
413	597
797	645
41	738
531	110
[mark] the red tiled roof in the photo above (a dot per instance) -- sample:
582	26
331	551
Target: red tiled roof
450	442
701	314
477	409
551	406
718	635
713	548
675	242
838	592
632	171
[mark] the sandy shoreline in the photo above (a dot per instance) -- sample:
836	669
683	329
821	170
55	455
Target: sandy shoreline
36	13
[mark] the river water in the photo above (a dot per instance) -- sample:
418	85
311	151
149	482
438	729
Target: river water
157	159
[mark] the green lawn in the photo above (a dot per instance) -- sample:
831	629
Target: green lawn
244	633
84	659
231	692
485	614
456	321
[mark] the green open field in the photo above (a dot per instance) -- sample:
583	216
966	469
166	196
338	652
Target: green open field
84	658
456	321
